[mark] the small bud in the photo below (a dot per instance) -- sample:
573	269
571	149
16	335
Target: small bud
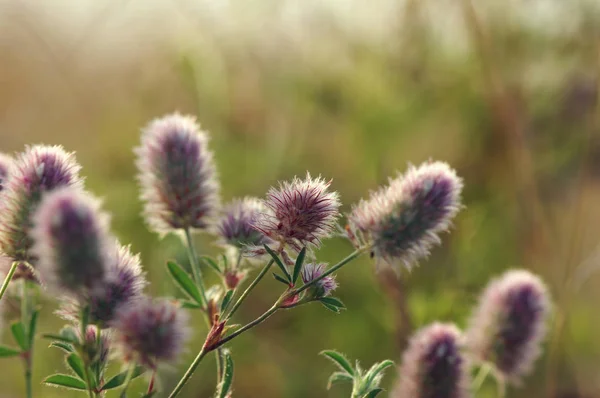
177	175
322	288
401	221
151	331
509	324
71	242
433	366
235	226
302	212
96	354
233	278
38	170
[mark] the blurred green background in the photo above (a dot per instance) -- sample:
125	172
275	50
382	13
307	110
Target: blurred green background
506	92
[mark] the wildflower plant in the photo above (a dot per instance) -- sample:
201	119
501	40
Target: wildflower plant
54	232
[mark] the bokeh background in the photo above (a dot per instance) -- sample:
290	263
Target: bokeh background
506	91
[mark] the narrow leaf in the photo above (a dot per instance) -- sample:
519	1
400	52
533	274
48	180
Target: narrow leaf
119	379
76	364
189	304
64	339
226	300
212	263
279	263
298	265
63	346
65	381
376	370
33	326
184	281
225	386
281	279
339	377
334	301
331	308
373	393
6	351
340	360
18	332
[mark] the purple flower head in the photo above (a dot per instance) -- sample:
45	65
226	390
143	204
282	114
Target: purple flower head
96	353
509	324
38	170
402	220
235	226
123	283
433	365
302	212
150	331
71	242
322	288
177	175
5	169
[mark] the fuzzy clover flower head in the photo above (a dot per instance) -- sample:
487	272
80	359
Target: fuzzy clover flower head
151	331
5	169
509	325
322	288
177	174
433	365
235	228
302	212
123	283
38	170
71	242
402	221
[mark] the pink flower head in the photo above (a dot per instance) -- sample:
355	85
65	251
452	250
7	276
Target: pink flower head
402	221
177	175
322	288
71	242
509	324
38	170
235	225
433	365
151	331
302	212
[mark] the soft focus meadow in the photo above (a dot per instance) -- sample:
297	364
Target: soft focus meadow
506	92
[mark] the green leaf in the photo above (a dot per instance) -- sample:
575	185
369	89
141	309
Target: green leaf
63	346
280	279
118	380
298	265
76	363
184	281
63	339
225	386
33	326
279	263
6	351
65	381
333	301
189	304
340	360
18	332
226	300
373	393
339	377
331	308
376	371
212	263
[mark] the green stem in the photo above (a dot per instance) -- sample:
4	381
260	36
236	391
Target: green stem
128	379
83	323
247	327
25	321
197	272
249	288
330	271
8	278
484	371
188	374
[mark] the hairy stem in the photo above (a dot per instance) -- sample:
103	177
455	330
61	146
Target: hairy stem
8	278
249	288
188	374
484	371
25	320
